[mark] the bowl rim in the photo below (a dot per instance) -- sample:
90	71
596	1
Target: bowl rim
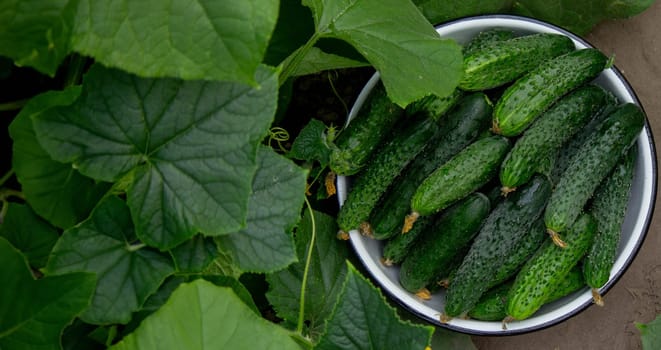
636	245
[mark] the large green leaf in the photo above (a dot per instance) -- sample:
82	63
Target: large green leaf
200	315
266	243
127	273
35	312
55	190
195	254
580	16
186	149
36	33
326	275
317	60
29	233
363	320
190	39
650	334
397	40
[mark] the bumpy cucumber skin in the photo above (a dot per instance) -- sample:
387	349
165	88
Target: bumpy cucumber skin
496	65
536	91
525	249
434	107
493	305
608	207
464	173
397	247
434	252
547	268
503	230
364	133
591	164
487	38
382	169
551	130
461	126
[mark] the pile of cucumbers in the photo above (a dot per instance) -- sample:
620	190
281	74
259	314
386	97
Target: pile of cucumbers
510	192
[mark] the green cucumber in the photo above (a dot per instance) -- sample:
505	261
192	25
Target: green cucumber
493	305
353	147
463	174
383	168
433	106
608	207
459	128
433	253
528	245
500	236
536	91
547	268
495	65
590	165
487	38
538	144
397	247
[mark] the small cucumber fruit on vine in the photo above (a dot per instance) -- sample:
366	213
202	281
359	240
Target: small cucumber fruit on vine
536	91
590	165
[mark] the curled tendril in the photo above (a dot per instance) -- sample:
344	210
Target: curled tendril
279	135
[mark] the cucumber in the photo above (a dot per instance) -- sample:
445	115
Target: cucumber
536	91
493	305
461	126
506	226
608	207
389	159
528	245
590	165
432	254
433	106
538	144
487	38
463	174
547	268
397	247
353	147
495	65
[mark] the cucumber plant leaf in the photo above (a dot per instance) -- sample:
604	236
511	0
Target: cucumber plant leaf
266	243
439	11
327	271
56	191
36	33
194	255
397	40
30	234
35	312
317	60
310	144
127	272
650	334
185	150
362	319
201	315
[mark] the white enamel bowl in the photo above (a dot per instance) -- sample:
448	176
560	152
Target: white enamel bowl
633	232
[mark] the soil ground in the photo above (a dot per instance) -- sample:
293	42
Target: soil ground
636	44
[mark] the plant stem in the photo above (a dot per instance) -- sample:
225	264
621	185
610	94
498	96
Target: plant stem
13	105
290	64
302	341
301	309
6	176
8	192
75	70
